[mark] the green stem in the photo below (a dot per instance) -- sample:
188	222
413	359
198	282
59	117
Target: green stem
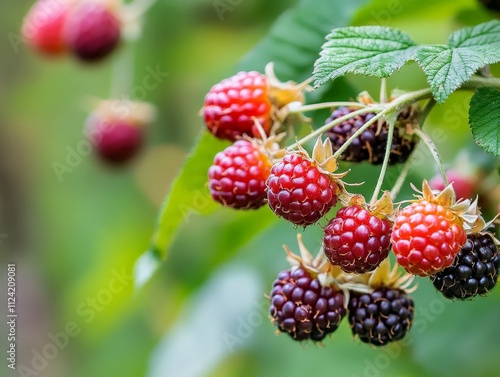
355	135
326	105
333	123
383	90
427	109
383	170
123	73
477	82
432	148
401	178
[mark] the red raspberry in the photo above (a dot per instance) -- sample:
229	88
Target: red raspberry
463	187
116	134
426	237
43	26
238	176
117	142
298	191
231	105
93	30
356	240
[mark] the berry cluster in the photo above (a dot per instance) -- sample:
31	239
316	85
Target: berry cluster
434	235
90	30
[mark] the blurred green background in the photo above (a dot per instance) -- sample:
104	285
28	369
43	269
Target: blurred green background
203	312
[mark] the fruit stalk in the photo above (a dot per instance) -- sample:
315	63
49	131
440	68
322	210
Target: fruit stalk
326	105
435	153
327	126
383	170
123	73
401	178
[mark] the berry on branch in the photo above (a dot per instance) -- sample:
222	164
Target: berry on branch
371	144
118	136
302	189
475	269
358	238
238	175
43	26
233	106
93	29
303	304
380	310
428	234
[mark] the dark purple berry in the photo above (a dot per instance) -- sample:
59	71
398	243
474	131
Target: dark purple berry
370	145
304	309
380	317
474	271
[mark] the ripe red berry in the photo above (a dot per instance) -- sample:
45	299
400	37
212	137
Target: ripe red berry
43	26
116	129
356	240
426	237
304	309
298	191
117	142
231	105
93	30
463	186
238	176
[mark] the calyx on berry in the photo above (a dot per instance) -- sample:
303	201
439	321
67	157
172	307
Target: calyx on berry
304	304
466	211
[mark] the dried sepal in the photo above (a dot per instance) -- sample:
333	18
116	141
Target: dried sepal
268	145
134	112
468	212
284	93
284	97
383	276
383	208
315	265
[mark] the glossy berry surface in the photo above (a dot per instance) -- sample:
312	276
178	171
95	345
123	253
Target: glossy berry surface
116	142
370	145
357	240
380	317
298	191
231	105
474	271
463	186
426	238
238	176
43	26
304	309
92	30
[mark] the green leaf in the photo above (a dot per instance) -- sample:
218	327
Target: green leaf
188	193
367	50
484	119
447	67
